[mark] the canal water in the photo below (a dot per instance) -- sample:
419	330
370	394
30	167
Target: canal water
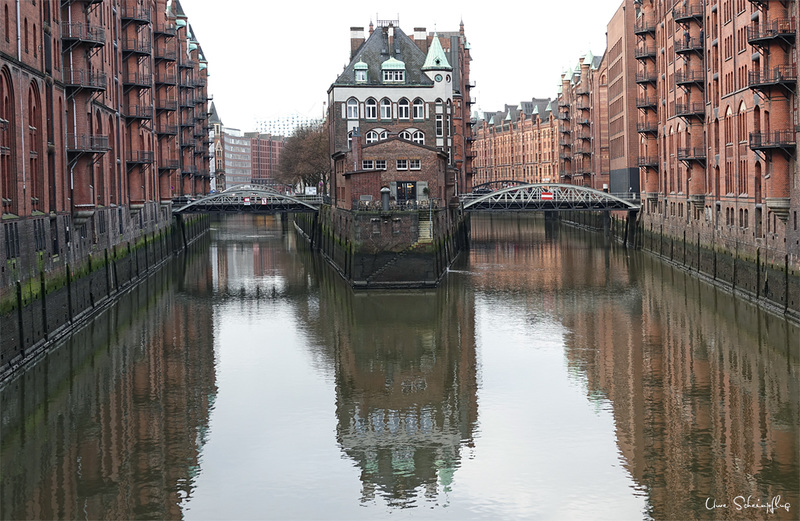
552	376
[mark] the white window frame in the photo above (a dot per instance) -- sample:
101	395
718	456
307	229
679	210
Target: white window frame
439	125
403	109
405	135
371	137
419	109
418	137
367	164
414	164
386	108
380	164
352	108
394	76
402	164
371	107
361	76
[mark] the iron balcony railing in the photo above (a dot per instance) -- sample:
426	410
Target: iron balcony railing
167	130
168	164
686	13
691	154
643	102
685	45
783	28
141	46
394	206
85	79
167	29
138	79
782	74
135	14
784	139
644	52
139	112
646	76
141	157
648	161
165	78
647	128
93	35
690	78
644	25
696	108
87	143
166	104
162	52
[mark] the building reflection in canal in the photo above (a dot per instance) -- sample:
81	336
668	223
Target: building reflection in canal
110	424
251	354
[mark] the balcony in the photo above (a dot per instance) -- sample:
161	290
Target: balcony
646	102
166	130
83	79
565	157
782	75
135	46
86	144
582	151
687	13
139	112
688	45
690	78
166	29
166	104
137	79
687	154
187	101
644	26
694	109
168	164
85	34
775	140
645	77
648	162
563	103
584	121
647	127
140	157
644	52
781	30
565	143
564	129
563	116
162	52
138	15
165	78
583	136
187	121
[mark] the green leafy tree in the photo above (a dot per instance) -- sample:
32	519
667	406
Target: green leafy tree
305	158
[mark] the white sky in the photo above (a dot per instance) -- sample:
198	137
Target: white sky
269	58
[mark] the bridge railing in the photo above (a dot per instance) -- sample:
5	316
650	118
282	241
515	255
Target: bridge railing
377	206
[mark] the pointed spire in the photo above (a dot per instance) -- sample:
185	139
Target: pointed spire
436	58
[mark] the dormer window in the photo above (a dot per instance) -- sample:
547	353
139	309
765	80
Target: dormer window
360	69
393	71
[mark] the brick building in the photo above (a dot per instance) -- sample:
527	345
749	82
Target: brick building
724	74
265	155
396	116
518	143
102	123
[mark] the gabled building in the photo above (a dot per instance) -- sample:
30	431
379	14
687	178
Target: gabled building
395	114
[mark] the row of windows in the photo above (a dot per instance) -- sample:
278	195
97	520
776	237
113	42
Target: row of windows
405	109
379	134
400	164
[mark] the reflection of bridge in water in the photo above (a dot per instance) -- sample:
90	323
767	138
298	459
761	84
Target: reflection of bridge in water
519	197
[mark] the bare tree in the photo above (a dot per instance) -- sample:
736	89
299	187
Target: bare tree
306	159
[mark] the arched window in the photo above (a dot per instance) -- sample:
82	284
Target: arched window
375	135
35	150
419	109
8	175
729	127
352	108
371	108
403	109
406	135
741	123
386	109
418	137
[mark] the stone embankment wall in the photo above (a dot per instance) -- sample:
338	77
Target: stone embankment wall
387	249
54	300
745	271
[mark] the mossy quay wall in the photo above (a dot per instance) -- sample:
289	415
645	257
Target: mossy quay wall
53	300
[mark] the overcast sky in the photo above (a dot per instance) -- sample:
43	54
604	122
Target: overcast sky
273	58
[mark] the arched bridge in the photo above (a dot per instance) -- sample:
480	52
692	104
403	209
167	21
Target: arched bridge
249	199
549	196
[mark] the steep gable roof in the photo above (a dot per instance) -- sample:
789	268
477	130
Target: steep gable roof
376	50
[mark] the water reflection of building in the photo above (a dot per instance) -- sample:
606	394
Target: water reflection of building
406	398
111	424
703	388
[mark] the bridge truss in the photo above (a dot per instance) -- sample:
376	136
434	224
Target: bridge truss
545	197
249	199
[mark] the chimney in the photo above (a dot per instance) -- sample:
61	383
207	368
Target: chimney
421	39
356	39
